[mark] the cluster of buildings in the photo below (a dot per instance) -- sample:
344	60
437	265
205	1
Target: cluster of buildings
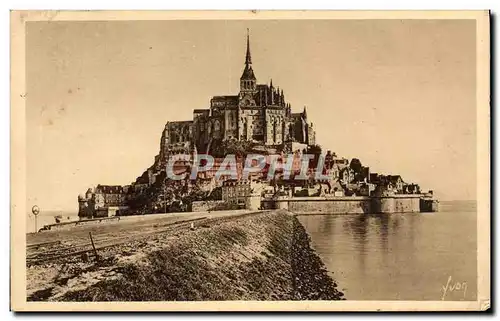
261	116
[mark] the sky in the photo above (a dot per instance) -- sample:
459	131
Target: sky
400	95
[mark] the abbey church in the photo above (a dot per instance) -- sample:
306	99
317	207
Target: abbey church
259	114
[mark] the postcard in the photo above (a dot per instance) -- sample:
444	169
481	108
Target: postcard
250	161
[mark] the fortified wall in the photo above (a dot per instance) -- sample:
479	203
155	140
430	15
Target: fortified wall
350	204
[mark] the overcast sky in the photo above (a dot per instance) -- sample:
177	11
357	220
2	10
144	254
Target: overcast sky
398	94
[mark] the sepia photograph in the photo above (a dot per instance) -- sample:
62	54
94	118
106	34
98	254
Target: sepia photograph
250	161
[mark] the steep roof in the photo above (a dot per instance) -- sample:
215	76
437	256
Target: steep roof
248	73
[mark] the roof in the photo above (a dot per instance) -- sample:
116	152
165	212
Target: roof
175	123
233	182
227	99
248	73
394	178
109	189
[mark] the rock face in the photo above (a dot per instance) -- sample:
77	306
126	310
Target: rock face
264	256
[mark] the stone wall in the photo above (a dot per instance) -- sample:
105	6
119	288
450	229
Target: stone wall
70	225
349	205
396	204
204	206
318	205
429	205
407	204
383	205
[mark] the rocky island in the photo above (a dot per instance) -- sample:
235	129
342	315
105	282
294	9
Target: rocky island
221	197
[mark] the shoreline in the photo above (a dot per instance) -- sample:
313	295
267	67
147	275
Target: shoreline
261	256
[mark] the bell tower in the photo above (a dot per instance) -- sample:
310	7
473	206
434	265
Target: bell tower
248	82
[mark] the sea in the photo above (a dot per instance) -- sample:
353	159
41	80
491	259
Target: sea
411	256
420	256
47	218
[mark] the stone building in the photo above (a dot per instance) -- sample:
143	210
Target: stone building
258	113
87	204
236	191
105	200
110	195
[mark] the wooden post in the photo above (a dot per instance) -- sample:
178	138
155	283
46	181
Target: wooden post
93	246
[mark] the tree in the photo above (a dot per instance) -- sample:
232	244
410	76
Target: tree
231	147
356	166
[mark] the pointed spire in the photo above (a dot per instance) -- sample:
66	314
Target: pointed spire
248	60
248	73
271	84
272	93
304	113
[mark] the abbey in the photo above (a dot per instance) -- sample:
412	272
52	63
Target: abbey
258	120
258	117
259	114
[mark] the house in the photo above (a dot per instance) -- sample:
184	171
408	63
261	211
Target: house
236	191
112	195
384	190
397	183
346	175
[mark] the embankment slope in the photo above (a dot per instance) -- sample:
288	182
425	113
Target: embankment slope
264	256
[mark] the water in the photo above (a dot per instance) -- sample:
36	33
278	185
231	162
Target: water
400	256
48	217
